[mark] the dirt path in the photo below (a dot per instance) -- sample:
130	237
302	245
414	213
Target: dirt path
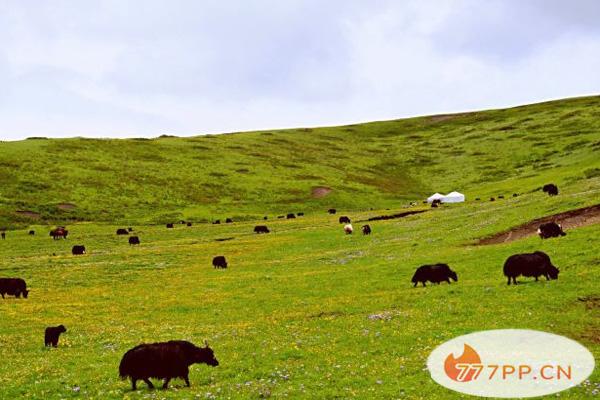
569	219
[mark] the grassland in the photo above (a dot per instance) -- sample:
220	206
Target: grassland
306	311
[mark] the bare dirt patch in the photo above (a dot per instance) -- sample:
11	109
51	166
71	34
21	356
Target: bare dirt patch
320	191
66	206
569	219
394	216
29	213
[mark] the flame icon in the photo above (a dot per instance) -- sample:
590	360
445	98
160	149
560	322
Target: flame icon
459	369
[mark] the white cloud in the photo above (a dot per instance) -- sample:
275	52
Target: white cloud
147	68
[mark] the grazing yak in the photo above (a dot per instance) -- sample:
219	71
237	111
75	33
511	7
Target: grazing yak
492	199
51	335
31	233
228	221
332	211
122	231
501	197
366	229
189	224
130	229
434	205
551	189
434	273
348	229
59	232
219	262
170	226
261	229
134	240
529	264
515	195
344	220
550	230
166	360
300	214
265	218
281	216
217	222
78	249
290	216
437	201
13	287
477	199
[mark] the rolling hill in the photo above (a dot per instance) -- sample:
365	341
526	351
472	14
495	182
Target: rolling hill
251	174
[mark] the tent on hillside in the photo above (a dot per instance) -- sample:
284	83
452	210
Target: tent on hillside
453	197
435	196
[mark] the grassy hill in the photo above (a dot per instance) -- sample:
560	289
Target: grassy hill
250	174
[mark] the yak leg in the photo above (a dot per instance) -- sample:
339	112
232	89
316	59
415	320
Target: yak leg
150	385
166	383
515	280
547	277
133	383
448	280
187	380
415	285
536	278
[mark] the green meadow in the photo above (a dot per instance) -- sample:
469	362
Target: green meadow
305	311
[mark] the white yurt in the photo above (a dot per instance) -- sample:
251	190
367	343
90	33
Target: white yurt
435	196
453	197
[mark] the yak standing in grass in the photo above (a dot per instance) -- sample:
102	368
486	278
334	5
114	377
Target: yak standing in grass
261	229
332	211
348	229
219	262
31	233
344	220
122	231
551	189
366	230
78	250
229	221
166	360
59	232
51	335
529	264
290	216
170	226
134	240
550	230
14	287
434	273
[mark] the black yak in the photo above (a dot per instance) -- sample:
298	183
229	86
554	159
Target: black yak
551	189
122	231
515	194
344	220
435	273
290	216
130	229
78	249
261	229
550	230
366	230
166	360
189	224
31	233
217	222
492	199
228	220
14	287
281	216
501	197
300	214
434	205
219	262
265	218
51	335
134	240
170	226
332	211
529	264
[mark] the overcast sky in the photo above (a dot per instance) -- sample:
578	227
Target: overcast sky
145	68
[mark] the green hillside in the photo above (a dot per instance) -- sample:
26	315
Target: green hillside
250	174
